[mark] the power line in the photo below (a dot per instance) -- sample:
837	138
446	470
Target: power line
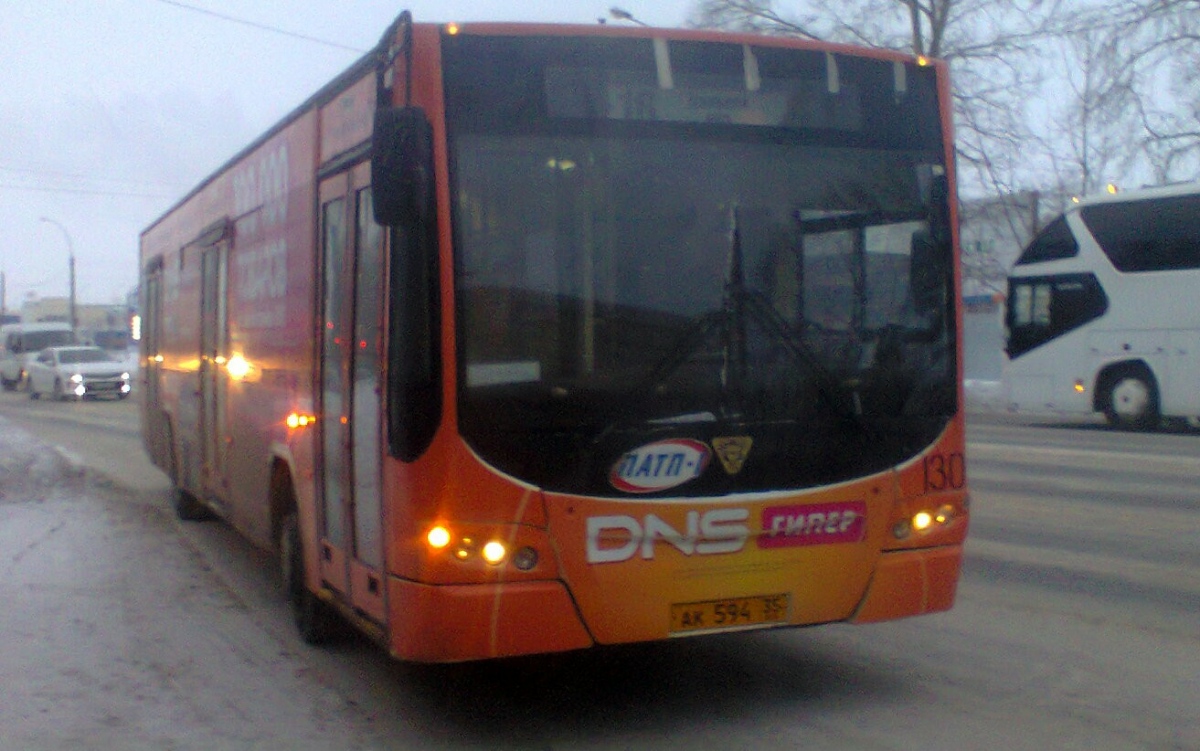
41	173
84	191
262	26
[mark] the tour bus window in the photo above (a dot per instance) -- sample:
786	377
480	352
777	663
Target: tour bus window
1043	308
1053	243
1154	235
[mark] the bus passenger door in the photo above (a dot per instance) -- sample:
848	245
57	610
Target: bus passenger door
155	432
366	367
213	353
351	343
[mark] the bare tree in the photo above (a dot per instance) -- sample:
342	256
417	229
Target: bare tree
1153	50
993	48
1088	134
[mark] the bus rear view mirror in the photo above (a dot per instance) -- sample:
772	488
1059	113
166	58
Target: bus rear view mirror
401	166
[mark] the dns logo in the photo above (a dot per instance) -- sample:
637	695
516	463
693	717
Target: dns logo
612	539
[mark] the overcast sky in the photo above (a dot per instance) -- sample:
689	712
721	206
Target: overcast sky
111	110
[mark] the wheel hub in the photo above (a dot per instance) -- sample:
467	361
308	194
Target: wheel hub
1131	398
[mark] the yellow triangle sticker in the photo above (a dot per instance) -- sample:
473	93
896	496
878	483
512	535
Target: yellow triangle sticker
732	451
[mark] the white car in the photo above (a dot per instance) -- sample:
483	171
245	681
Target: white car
76	373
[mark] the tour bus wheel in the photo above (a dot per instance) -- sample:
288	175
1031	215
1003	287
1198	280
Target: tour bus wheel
1131	401
315	620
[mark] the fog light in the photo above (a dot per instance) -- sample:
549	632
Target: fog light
494	552
438	538
525	559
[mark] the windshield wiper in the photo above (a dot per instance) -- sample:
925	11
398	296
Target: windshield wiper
743	304
739	307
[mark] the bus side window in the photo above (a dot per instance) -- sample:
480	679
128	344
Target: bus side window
1020	305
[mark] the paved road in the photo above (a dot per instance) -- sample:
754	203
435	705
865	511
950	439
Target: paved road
1077	627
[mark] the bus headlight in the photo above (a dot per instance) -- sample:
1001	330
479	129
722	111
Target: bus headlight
924	521
438	538
494	552
467	547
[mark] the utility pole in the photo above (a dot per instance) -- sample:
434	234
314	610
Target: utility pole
70	267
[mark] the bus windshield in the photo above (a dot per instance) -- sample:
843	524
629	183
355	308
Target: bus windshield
703	240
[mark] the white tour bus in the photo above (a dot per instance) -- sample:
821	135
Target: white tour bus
1103	310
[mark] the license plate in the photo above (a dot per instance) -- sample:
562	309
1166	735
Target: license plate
733	613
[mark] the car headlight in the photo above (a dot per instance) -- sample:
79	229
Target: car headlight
124	376
77	378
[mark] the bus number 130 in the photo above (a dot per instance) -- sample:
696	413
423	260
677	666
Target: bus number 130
945	472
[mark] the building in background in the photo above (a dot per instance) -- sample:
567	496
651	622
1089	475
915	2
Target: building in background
103	325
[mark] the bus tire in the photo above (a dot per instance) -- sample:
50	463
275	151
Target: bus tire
188	507
1131	399
315	621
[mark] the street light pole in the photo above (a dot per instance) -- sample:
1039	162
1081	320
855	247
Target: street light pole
623	15
70	266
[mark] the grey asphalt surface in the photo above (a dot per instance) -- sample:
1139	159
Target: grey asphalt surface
1077	625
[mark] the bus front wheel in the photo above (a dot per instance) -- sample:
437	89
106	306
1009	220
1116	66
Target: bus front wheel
314	619
1131	400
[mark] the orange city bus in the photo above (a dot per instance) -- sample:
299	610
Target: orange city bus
526	338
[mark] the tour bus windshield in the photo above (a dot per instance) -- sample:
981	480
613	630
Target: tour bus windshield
661	239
